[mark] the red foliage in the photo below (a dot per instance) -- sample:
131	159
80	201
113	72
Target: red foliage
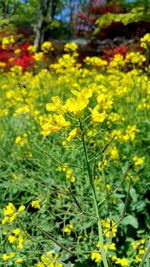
98	7
85	22
23	58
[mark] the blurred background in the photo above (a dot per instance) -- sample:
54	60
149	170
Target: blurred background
99	27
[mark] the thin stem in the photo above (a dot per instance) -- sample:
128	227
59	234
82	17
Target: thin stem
145	255
100	233
55	241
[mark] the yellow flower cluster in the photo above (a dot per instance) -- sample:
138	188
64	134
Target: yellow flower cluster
67	229
7	40
122	262
32	48
107	225
145	41
135	58
2	64
139	246
70	47
49	260
117	62
11	213
95	256
95	61
22	140
47	47
138	160
35	204
38	56
15	236
68	171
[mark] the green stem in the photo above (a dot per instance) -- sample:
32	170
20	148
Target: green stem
145	255
100	232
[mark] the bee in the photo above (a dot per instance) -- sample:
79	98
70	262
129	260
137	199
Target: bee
22	84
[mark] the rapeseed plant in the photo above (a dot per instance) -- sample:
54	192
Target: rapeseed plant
59	126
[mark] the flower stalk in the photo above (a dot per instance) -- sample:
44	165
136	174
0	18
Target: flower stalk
100	232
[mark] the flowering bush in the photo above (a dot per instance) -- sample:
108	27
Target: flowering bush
24	55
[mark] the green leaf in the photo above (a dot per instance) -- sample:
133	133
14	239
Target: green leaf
133	194
130	220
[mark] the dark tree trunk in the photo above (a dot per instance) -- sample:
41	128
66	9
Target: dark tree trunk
54	7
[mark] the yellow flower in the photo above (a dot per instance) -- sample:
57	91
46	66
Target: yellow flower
40	264
12	218
97	117
47	47
6	257
141	251
112	246
16	231
9	210
68	228
70	47
138	160
21	209
122	262
32	48
5	220
7	40
137	258
19	260
96	257
76	105
35	204
145	41
11	238
20	242
2	64
61	121
56	106
58	264
38	56
17	51
72	179
74	133
47	129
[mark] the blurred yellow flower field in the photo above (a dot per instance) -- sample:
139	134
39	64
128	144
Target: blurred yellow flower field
74	161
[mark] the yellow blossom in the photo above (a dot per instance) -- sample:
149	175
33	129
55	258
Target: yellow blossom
47	47
74	133
122	262
20	242
68	228
19	260
35	204
16	231
6	257
40	264
9	209
75	106
11	238
96	257
138	160
38	56
21	209
12	218
97	117
5	220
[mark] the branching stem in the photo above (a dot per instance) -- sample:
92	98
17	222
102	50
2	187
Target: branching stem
100	232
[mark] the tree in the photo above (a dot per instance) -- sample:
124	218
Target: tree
137	11
40	14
